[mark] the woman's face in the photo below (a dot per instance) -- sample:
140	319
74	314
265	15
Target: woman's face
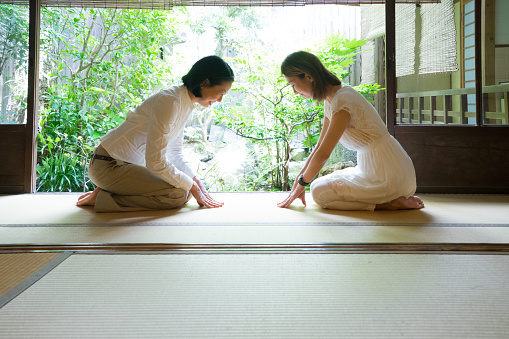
302	86
210	95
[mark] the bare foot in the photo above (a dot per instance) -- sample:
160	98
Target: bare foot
402	203
88	199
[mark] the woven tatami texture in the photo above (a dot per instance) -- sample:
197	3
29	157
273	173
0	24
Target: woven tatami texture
253	218
252	208
266	296
16	267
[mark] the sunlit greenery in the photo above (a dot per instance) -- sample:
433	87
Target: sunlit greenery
13	53
97	64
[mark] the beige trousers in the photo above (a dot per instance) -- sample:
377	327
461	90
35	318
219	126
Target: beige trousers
129	187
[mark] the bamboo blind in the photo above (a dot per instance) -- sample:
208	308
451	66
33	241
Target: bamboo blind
437	49
169	4
405	40
438	42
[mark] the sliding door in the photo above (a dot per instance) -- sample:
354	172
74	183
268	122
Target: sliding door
451	108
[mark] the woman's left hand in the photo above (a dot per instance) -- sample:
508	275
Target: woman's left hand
298	192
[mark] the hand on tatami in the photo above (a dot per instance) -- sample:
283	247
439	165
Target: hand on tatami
199	182
298	192
203	198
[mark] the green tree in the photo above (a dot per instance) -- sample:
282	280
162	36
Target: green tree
13	47
274	116
270	115
97	64
13	35
338	54
232	27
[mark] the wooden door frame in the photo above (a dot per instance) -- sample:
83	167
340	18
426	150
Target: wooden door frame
18	146
451	158
33	97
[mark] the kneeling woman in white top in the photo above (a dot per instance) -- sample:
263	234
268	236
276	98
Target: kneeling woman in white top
384	177
140	165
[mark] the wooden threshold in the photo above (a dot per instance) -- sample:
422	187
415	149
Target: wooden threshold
284	248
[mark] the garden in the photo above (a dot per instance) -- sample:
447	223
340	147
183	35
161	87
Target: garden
97	64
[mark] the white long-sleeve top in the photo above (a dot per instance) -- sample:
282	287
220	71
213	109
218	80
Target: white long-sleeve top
152	136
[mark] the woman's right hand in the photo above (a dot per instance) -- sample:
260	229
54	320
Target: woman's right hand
296	181
204	199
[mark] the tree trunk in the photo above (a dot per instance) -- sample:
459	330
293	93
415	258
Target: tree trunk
277	183
286	186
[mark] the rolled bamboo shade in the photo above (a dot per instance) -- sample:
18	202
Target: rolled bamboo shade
438	41
169	4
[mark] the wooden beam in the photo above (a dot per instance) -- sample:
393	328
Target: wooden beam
478	64
470	248
33	96
488	45
390	61
488	51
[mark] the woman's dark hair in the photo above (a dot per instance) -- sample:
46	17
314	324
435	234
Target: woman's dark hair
211	67
301	63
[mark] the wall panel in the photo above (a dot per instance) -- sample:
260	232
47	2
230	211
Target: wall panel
458	159
12	158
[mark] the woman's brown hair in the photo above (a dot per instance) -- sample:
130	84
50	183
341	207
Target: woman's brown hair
301	63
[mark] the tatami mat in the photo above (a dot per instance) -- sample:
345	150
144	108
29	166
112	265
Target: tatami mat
254	208
17	267
19	271
253	218
266	296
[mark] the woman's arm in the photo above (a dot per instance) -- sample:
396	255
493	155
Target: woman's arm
329	137
325	125
177	172
323	151
160	129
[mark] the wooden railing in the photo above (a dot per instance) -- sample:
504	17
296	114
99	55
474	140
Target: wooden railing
436	107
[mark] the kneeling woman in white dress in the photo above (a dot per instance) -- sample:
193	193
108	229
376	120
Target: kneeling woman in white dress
384	177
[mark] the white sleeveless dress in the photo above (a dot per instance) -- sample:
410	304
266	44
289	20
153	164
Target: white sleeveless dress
384	170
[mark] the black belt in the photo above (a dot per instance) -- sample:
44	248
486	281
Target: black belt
102	157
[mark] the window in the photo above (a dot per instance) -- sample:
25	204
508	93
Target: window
13	63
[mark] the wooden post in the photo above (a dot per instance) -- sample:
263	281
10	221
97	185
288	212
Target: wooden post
380	101
401	109
478	64
432	108
488	46
464	109
390	61
486	107
488	51
410	109
421	107
33	95
506	108
447	107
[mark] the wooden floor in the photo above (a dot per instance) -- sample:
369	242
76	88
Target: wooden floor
251	270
